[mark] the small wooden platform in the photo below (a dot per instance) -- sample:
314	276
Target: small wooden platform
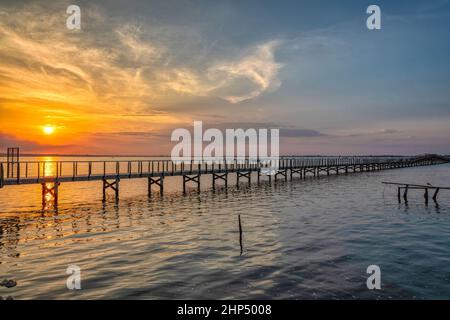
405	187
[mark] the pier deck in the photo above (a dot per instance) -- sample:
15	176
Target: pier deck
51	173
405	187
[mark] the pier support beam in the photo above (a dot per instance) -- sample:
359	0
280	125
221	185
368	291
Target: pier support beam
282	173
306	170
50	189
242	174
405	194
1	175
435	195
298	171
114	185
222	176
159	181
187	178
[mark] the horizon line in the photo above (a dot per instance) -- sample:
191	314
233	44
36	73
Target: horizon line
159	155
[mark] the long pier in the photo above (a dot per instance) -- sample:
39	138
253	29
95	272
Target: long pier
50	174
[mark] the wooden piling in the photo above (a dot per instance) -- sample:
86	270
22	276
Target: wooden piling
218	176
436	194
50	188
191	178
159	181
240	234
426	188
111	185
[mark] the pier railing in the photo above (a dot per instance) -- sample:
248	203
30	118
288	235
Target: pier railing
26	172
50	174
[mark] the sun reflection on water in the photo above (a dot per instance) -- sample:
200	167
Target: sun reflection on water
48	167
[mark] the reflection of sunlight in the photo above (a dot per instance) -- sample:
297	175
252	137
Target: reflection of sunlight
48	195
48	166
49	199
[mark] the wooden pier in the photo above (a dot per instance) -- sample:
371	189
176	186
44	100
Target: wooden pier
50	174
403	188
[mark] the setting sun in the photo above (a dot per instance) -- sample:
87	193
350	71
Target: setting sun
48	130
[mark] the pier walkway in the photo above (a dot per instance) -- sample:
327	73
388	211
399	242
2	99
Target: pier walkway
50	174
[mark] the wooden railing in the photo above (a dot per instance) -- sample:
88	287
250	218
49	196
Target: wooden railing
37	170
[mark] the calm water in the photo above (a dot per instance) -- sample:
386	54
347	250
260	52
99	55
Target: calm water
308	239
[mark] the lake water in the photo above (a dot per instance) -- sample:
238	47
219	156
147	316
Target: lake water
301	239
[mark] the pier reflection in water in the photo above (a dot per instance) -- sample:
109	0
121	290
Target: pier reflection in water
301	239
48	167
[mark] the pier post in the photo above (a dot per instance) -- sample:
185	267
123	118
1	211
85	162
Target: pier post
405	194
426	196
281	172
217	176
117	188
435	195
159	181
44	193
1	175
240	234
113	185
188	178
294	171
247	175
51	190
149	187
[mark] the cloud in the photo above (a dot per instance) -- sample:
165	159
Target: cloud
127	70
142	51
7	140
259	67
389	131
234	80
301	133
372	133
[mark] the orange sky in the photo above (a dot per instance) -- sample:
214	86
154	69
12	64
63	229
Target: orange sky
122	83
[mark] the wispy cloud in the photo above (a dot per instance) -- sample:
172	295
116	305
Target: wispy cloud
87	80
127	69
258	67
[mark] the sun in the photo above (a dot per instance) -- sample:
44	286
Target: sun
48	130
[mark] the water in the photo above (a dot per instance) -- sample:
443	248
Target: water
310	239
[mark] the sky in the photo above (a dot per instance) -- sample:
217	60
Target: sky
137	70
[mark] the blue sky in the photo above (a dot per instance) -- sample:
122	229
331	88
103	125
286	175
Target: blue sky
311	68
